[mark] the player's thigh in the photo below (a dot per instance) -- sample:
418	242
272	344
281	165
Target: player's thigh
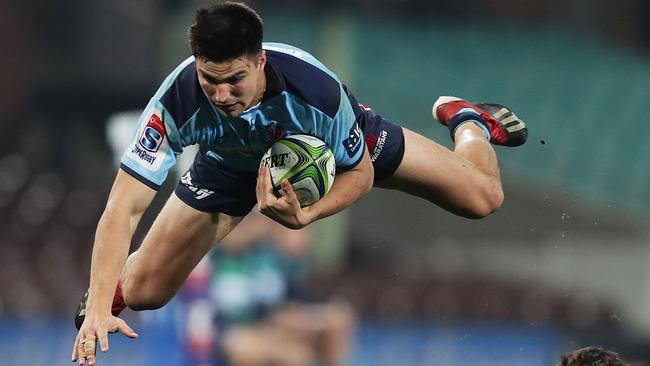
426	169
178	239
405	160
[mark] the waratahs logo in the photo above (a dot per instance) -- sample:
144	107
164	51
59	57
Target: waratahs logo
153	134
276	132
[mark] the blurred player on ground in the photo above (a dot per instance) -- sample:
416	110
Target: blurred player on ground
234	97
255	285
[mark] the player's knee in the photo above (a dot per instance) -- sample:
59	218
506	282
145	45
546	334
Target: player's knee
495	198
147	301
140	295
489	202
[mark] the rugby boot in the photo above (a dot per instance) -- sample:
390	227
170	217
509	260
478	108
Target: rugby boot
501	124
116	308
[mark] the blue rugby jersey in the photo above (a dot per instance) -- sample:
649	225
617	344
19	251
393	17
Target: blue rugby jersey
312	101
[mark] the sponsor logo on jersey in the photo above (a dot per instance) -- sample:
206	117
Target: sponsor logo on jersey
199	193
153	134
150	144
143	155
353	142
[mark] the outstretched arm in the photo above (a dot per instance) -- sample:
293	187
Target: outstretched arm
348	187
127	201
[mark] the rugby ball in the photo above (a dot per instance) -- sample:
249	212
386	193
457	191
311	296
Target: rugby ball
306	162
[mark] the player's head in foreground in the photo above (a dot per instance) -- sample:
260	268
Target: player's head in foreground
226	40
591	356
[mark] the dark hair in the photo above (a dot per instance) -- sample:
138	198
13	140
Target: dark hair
591	356
226	31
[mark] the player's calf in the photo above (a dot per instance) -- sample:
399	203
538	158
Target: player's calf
500	124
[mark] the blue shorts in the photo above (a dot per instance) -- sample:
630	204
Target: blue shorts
209	186
384	141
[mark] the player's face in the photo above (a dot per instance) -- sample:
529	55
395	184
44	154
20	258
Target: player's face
233	86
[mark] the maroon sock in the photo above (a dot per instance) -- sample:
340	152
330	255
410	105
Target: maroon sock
118	300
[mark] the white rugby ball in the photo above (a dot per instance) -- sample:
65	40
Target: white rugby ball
306	162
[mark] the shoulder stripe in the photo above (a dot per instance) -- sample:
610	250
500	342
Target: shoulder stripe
307	82
182	99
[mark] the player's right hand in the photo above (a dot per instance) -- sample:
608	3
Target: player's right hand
286	209
96	328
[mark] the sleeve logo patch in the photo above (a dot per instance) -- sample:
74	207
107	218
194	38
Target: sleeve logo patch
150	145
153	134
353	142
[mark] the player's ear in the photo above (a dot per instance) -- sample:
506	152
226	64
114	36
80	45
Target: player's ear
261	61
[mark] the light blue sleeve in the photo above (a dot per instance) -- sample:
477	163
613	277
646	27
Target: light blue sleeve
154	145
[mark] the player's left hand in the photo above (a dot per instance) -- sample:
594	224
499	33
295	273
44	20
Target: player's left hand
286	209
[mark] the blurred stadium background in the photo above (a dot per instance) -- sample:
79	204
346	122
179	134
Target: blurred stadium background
565	262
